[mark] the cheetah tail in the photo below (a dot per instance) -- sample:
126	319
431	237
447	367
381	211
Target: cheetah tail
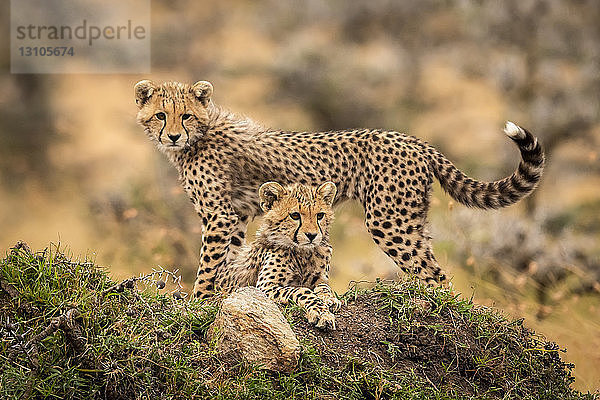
500	193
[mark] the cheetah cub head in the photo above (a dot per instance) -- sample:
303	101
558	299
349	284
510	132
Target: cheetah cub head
174	115
297	215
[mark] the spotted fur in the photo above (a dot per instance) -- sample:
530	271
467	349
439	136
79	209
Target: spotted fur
290	257
222	158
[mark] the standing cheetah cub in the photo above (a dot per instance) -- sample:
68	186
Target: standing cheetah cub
289	260
221	158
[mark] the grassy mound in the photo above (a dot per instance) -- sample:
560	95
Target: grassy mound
68	331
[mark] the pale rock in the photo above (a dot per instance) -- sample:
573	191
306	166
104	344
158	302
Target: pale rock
251	327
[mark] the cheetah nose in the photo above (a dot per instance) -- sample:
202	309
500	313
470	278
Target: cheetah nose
174	137
310	236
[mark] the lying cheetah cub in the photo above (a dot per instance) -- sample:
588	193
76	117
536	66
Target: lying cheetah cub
289	260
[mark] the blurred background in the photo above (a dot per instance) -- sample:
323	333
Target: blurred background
76	169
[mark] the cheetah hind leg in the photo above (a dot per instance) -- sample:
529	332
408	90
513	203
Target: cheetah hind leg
407	242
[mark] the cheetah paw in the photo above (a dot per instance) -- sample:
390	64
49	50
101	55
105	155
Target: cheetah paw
321	319
333	303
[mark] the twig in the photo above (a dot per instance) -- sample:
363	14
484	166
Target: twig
158	277
20	245
14	293
65	322
8	288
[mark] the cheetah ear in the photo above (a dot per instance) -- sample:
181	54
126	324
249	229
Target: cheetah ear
202	90
269	193
143	91
327	192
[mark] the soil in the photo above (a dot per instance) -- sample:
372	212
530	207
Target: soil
364	332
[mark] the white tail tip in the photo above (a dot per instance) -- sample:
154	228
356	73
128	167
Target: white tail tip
514	131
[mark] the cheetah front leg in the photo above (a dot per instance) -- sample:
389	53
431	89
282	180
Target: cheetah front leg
320	281
324	292
238	238
216	240
317	312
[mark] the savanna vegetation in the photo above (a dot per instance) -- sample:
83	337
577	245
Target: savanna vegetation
68	331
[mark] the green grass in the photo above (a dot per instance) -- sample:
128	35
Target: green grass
134	344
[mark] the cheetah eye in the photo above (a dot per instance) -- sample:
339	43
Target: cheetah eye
320	215
295	216
161	116
186	116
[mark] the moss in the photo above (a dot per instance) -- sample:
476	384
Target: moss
66	333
